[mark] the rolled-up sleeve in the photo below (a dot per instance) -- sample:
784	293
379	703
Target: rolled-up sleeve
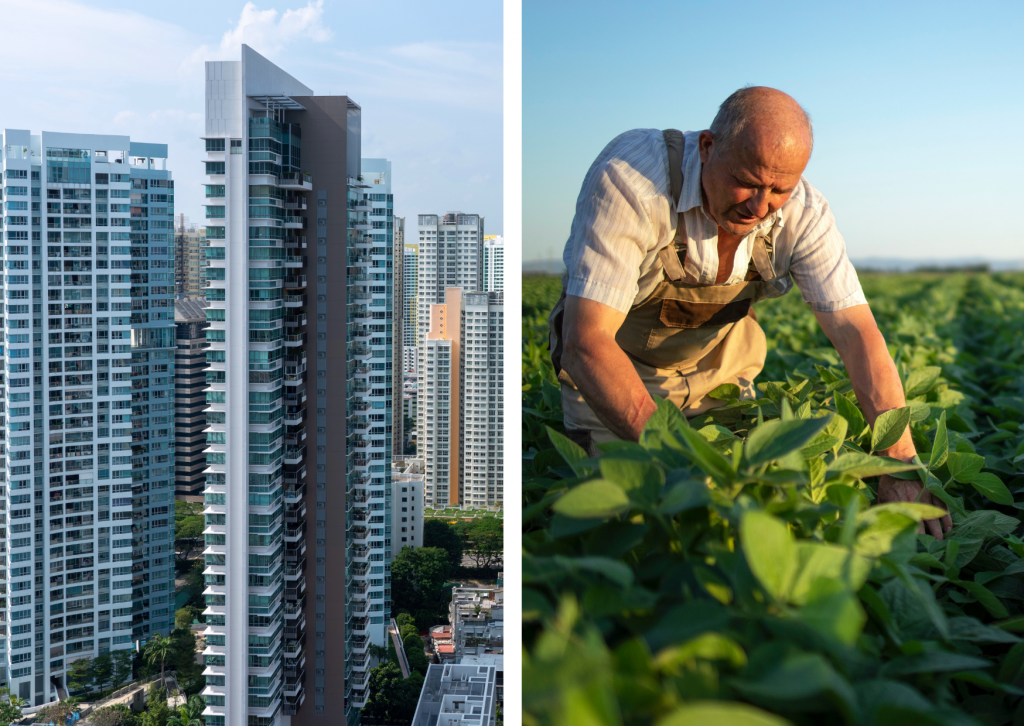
821	268
612	231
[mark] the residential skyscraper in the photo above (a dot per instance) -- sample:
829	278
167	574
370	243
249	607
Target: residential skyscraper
284	181
494	263
410	278
450	256
189	259
482	421
438	379
89	422
190	398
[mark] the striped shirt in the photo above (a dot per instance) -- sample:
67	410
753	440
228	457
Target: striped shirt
624	217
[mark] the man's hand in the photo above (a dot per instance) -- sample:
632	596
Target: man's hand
876	383
891	489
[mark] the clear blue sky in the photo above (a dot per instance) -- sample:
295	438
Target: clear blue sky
427	75
917	107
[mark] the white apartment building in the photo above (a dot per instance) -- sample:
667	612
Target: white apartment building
88	391
299	458
450	256
481	417
437	441
494	263
410	279
406	503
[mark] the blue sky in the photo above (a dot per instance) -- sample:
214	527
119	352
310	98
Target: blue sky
917	107
428	78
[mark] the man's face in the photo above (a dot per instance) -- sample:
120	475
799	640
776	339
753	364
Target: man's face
749	180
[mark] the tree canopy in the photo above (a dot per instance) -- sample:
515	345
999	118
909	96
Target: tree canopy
438	533
418	575
391	696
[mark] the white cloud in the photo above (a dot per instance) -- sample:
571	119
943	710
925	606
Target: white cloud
262	31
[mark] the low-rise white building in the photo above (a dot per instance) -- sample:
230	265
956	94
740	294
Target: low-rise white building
406	504
458	695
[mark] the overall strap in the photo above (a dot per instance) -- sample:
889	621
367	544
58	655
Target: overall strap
673	257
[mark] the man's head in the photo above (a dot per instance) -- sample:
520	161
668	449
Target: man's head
753	156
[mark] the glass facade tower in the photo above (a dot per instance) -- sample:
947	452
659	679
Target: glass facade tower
88	395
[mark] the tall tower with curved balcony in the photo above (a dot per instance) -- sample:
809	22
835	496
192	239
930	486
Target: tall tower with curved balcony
286	604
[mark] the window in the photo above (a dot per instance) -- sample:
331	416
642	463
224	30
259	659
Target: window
215	144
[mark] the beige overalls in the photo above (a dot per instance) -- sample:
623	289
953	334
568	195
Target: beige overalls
683	340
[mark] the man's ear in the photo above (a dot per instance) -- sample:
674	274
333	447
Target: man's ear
705	143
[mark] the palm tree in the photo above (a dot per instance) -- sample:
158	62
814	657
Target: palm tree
190	714
159	648
380	652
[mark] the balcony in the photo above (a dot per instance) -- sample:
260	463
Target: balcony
296	515
293	666
296	180
359	553
295	203
294	417
297	319
294	478
296	532
294	301
293	610
295	438
294	493
295	282
294	571
359	534
294	340
296	592
292	649
297	242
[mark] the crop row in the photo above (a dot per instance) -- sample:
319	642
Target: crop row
736	569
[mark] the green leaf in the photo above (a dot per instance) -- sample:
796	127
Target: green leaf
940	447
914	510
535	605
922	380
833	610
725	392
865	465
849	410
992	487
801	677
771	552
720	713
572	452
837	427
986	597
616	571
823	560
707	646
964	467
889	428
775	439
685	495
592	499
919	411
641	480
931	663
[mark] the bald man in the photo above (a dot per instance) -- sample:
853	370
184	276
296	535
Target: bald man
676	236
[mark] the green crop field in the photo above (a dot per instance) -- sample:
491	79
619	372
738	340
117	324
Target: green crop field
734	569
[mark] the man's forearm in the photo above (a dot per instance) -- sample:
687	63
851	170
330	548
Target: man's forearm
610	385
872	372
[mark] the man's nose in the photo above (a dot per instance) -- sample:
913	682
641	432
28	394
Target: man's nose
758	204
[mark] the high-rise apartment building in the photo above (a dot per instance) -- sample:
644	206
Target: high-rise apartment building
437	441
461	392
190	399
300	417
406	503
189	259
89	398
450	255
482	422
410	277
494	263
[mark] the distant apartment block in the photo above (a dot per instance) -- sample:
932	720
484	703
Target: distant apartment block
88	394
410	280
407	503
494	263
460	383
438	407
189	259
481	418
190	398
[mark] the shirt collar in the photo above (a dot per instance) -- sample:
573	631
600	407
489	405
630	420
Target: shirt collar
692	197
